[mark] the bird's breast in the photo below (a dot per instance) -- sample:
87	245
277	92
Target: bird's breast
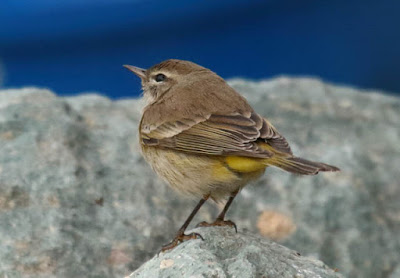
198	175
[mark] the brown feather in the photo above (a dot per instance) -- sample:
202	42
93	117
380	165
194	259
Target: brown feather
220	135
198	96
203	138
204	115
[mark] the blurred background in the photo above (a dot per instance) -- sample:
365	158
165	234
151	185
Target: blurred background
75	46
77	199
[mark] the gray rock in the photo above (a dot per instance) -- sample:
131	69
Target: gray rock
77	199
224	253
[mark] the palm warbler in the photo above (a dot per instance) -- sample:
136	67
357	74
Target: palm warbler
205	140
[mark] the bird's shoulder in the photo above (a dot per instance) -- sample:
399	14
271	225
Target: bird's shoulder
196	99
211	116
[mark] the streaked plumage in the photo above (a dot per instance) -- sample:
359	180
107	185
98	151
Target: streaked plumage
203	121
204	139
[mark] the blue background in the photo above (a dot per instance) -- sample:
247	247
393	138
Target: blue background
74	46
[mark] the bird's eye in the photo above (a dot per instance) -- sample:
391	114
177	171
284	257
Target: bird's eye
160	77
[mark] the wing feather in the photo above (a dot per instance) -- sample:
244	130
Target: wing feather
236	134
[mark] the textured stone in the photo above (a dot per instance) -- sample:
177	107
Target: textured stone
77	199
224	253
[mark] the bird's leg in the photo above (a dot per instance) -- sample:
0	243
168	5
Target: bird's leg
220	220
180	235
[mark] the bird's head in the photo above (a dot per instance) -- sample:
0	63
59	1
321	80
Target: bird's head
160	78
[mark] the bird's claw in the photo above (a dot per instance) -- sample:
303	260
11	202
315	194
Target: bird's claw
179	239
218	223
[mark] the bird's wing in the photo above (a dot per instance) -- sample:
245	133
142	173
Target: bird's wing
234	134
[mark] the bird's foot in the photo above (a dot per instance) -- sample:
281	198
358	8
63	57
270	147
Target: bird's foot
218	222
179	239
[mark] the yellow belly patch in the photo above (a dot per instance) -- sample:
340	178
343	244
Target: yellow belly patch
245	164
222	173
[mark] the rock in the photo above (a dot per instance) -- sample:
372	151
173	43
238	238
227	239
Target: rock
77	199
224	253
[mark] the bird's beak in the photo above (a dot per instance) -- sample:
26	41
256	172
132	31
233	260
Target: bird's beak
138	71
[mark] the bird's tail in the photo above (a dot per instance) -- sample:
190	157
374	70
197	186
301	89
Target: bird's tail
302	166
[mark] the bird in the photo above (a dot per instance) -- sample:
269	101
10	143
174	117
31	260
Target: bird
205	140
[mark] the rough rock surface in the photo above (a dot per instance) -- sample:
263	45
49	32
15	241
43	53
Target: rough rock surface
77	199
224	253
